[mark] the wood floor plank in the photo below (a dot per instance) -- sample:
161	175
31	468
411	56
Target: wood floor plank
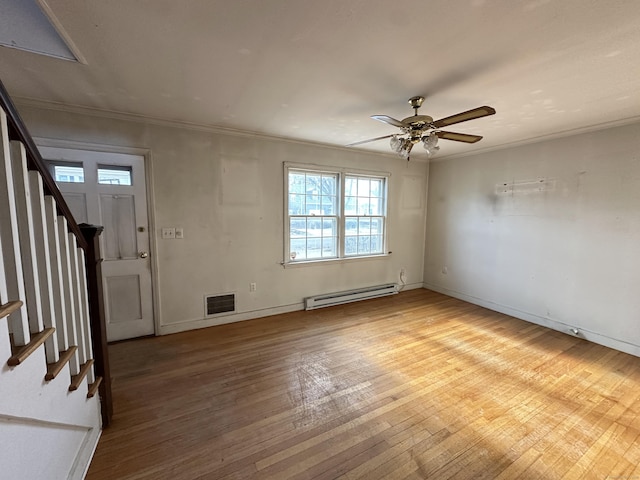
418	385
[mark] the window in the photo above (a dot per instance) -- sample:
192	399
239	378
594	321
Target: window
333	214
69	172
114	175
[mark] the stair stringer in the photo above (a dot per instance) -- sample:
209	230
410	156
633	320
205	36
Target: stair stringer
44	428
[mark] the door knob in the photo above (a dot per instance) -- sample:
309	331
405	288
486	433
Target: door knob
144	254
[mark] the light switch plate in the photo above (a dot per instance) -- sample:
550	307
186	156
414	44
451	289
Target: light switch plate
168	232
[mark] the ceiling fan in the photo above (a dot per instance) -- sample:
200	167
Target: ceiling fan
422	128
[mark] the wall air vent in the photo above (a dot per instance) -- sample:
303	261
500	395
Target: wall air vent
218	304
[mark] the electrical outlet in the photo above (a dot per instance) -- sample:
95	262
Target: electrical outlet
168	232
403	275
252	287
445	270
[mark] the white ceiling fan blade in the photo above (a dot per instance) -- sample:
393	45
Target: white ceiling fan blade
370	140
388	120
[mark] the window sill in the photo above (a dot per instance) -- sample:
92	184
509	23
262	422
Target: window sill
332	261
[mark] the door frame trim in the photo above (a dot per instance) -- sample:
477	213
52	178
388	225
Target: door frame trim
148	173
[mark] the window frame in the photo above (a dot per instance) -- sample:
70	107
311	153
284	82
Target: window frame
342	174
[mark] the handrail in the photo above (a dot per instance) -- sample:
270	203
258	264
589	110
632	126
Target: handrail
18	131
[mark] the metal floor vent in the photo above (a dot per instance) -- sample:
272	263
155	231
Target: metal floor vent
216	304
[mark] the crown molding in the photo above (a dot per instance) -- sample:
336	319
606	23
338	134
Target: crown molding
543	138
132	117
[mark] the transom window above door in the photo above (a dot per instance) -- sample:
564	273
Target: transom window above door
74	172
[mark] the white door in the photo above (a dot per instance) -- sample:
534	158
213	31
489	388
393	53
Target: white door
109	189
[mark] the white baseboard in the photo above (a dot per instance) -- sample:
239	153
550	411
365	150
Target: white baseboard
232	318
85	455
239	317
594	337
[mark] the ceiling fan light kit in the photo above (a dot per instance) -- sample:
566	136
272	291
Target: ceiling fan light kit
422	128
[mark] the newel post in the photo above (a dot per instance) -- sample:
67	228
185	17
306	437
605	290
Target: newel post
91	234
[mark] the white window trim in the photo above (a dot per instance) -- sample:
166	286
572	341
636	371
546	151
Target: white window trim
342	173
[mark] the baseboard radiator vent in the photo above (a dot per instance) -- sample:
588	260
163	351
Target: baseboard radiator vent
338	298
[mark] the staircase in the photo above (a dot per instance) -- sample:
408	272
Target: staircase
54	391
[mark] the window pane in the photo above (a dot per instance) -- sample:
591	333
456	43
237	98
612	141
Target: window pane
364	226
313	205
314	248
351	206
68	173
351	226
350	245
296	183
350	187
329	185
377	226
314	183
296	204
363	187
298	227
375	206
376	187
363	206
314	227
364	244
114	175
298	249
329	247
329	227
377	244
329	205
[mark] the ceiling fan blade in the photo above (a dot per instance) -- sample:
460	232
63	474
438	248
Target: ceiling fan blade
459	137
464	116
370	140
389	120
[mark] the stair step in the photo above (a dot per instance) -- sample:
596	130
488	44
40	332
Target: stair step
9	307
23	352
76	380
93	388
53	369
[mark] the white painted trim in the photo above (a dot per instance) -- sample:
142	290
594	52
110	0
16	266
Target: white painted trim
82	462
222	320
93	147
585	334
333	261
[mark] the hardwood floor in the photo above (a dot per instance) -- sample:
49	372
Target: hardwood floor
413	386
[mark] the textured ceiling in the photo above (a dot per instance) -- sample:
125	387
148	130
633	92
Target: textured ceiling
316	70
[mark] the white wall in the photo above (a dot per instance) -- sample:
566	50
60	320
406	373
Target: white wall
201	181
562	252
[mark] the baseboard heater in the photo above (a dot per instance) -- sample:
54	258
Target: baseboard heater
338	298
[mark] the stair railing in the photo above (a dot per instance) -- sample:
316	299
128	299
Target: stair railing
50	268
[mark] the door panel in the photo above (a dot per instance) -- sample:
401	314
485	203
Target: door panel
124	298
118	217
113	194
